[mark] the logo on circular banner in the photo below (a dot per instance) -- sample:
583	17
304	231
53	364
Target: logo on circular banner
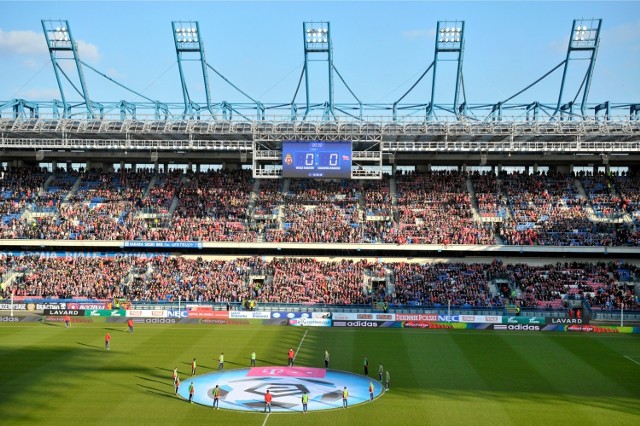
244	389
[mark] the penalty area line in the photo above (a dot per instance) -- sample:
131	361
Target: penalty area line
265	419
631	359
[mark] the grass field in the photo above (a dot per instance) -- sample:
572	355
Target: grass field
52	375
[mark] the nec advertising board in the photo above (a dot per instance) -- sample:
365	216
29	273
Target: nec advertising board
310	322
146	313
348	316
249	315
177	314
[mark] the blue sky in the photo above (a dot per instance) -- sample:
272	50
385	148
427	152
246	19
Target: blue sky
380	48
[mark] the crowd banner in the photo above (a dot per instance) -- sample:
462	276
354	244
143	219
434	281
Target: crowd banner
164	244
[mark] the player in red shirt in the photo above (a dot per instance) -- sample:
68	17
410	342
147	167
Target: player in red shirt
292	355
107	342
130	324
67	321
267	401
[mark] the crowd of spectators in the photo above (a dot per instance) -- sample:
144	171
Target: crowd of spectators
319	211
487	192
312	281
606	204
434	207
547	209
628	187
379	220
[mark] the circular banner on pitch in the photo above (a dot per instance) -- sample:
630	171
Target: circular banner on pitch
244	389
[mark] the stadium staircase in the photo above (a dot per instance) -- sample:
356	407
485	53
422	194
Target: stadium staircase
45	185
393	193
475	211
281	208
73	189
474	201
626	216
152	183
588	207
9	278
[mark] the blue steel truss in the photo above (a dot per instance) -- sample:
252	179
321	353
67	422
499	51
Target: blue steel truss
585	38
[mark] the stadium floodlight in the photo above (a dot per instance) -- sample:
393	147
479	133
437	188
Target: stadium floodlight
316	36
449	35
186	35
585	33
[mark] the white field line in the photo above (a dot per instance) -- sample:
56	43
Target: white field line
300	345
294	358
631	359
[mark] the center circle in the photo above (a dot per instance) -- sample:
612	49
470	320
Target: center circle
244	389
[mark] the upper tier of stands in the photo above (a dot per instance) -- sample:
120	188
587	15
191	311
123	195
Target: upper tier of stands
442	207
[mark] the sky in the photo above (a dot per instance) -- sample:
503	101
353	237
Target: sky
379	47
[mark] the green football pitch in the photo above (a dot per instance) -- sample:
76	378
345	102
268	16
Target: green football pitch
50	375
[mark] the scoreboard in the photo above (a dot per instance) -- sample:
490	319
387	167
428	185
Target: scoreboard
316	159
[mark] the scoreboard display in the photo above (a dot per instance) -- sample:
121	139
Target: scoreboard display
316	159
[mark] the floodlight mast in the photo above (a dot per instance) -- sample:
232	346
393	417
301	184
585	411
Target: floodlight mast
317	40
449	39
187	39
60	39
585	37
